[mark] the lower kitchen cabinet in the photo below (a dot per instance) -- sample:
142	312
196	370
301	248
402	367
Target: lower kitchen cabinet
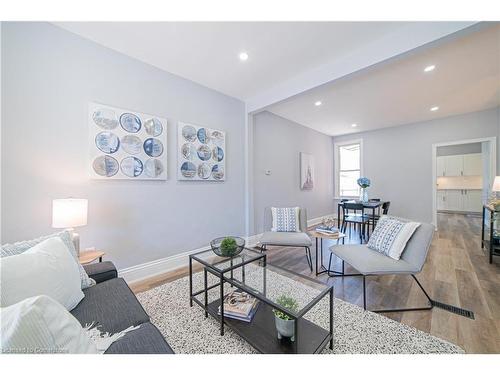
459	200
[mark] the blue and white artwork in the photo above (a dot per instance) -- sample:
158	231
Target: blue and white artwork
130	122
201	153
188	169
129	145
153	147
131	166
107	142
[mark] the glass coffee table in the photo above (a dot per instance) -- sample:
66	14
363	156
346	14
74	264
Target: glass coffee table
251	273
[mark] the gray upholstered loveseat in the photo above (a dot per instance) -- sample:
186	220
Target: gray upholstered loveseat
114	307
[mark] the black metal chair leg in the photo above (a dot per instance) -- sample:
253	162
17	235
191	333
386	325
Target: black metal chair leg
364	292
309	258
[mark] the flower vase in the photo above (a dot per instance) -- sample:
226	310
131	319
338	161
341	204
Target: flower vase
363	196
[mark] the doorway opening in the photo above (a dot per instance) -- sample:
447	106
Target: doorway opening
462	174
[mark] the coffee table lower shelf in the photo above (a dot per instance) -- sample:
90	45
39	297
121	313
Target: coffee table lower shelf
261	332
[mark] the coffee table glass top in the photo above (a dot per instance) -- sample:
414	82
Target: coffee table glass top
221	264
272	283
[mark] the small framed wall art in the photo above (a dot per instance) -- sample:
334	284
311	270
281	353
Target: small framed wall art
201	154
126	144
306	171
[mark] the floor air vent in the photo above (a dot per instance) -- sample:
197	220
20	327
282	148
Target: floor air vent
454	309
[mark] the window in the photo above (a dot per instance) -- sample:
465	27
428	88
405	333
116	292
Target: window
347	168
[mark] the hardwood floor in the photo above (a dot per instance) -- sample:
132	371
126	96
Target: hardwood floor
457	272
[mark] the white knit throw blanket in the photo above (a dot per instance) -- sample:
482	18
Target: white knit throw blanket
103	340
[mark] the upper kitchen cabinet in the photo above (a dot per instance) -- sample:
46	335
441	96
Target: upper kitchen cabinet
473	165
459	165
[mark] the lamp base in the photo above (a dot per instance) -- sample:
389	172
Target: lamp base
76	240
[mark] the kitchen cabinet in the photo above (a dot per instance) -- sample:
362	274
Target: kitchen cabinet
441	200
454	165
473	165
454	200
463	200
459	165
440	167
473	201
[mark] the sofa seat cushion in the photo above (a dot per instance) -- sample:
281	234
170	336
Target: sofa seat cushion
371	262
144	340
112	305
286	239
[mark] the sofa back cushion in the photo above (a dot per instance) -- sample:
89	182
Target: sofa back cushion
46	269
66	236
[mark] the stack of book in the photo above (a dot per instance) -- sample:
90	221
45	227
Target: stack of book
240	305
327	230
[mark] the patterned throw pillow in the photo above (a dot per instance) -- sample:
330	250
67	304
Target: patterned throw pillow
285	219
391	235
20	247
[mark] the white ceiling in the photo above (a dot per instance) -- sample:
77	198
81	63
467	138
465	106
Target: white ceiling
397	91
207	52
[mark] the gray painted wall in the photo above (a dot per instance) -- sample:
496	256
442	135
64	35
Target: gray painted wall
49	76
277	143
398	160
467	148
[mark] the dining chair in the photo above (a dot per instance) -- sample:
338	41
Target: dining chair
354	215
375	218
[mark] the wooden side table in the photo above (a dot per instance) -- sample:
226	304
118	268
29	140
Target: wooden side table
320	268
89	256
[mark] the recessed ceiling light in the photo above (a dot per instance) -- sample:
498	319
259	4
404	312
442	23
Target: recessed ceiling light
429	68
243	56
434	109
318	103
354	125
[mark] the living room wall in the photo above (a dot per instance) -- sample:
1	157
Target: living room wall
398	160
49	76
277	143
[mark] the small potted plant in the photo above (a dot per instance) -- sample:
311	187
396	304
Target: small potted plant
227	246
364	183
285	324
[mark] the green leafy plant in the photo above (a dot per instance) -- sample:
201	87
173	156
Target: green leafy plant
228	246
288	303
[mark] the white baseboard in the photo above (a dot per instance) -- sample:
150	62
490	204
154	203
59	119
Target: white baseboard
171	263
318	220
157	267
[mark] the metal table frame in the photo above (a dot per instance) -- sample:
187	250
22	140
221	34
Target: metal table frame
262	258
494	249
320	268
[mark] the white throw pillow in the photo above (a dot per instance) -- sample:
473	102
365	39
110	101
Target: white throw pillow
41	325
285	219
66	236
391	236
47	268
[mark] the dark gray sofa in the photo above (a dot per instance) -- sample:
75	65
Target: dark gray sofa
114	307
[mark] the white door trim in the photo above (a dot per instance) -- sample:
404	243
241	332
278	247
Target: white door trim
493	165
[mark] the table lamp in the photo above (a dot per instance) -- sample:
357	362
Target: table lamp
69	213
495	192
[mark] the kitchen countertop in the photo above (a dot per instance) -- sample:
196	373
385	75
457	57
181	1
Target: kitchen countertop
457	188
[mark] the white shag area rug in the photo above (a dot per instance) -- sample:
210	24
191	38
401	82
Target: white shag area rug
356	331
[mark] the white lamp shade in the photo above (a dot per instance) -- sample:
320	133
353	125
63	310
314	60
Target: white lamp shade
69	213
496	184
